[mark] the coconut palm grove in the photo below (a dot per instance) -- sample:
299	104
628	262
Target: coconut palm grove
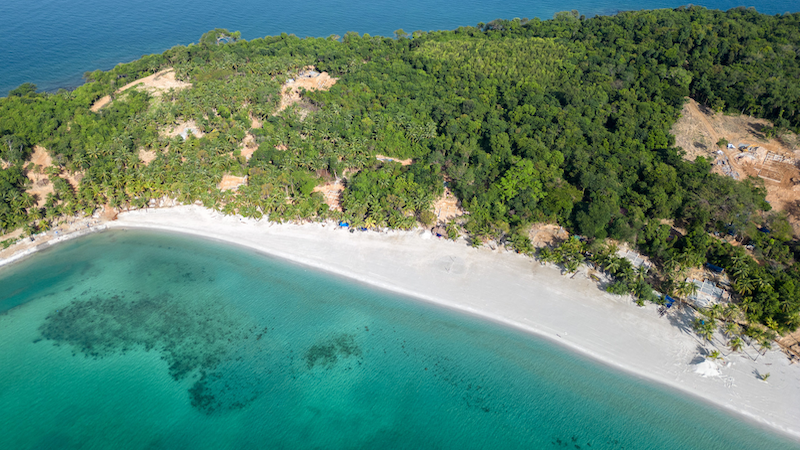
563	121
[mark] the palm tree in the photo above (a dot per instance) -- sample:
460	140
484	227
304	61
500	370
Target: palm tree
772	324
29	229
739	266
707	331
572	265
738	260
730	329
744	285
704	329
641	273
736	344
731	312
715	312
739	271
786	303
765	343
745	305
686	289
671	264
547	256
93	152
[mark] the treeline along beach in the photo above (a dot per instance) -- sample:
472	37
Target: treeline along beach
565	121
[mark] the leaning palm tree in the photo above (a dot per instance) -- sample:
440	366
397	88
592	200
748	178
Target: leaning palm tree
736	344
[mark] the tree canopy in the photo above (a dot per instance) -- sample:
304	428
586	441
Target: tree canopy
565	120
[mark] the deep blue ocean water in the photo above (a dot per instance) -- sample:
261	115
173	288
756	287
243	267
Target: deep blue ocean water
53	42
134	340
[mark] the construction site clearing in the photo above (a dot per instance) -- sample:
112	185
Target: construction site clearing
748	153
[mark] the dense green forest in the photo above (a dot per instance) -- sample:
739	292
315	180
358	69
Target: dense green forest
564	120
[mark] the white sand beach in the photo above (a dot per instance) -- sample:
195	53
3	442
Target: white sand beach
517	291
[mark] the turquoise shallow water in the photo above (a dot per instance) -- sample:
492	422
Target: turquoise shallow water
53	42
134	339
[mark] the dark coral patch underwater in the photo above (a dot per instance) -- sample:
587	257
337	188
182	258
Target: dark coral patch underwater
193	337
328	352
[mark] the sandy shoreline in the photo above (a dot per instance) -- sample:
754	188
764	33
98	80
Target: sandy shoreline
26	248
513	290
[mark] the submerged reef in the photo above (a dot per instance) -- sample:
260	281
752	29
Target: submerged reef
197	336
189	335
230	360
328	352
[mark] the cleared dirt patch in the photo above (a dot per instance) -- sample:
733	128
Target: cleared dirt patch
40	189
41	185
248	146
791	345
254	122
447	207
40	182
147	156
100	103
158	82
332	193
40	157
231	182
404	162
16	234
546	235
155	84
184	129
309	80
108	213
752	155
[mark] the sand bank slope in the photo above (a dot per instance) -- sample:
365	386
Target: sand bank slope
517	291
